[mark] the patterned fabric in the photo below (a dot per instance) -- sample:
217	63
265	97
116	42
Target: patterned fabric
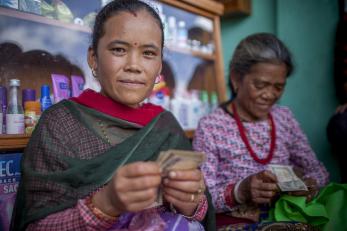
77	218
228	160
67	159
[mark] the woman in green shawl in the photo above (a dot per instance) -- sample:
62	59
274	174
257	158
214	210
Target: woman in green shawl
90	162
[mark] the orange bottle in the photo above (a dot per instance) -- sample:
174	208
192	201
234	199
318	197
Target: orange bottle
32	113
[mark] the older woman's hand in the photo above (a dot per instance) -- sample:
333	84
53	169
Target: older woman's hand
184	190
132	188
312	187
259	188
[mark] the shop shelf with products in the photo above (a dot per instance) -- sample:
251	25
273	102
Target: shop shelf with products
33	46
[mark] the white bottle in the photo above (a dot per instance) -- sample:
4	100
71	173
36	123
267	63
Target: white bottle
195	108
172	30
182	34
14	114
214	101
179	109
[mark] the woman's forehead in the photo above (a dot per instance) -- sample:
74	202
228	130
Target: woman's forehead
134	26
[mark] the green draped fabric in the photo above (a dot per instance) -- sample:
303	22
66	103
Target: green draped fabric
327	211
66	158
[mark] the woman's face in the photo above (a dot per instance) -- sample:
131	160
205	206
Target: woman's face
128	57
259	90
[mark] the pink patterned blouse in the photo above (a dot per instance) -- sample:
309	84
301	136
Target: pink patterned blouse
228	160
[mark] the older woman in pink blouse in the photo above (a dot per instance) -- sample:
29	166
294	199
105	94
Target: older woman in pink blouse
246	134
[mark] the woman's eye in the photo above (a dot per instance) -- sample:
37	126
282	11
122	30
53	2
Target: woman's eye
259	86
118	50
279	87
149	53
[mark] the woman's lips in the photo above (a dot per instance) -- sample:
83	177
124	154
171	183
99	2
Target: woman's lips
131	83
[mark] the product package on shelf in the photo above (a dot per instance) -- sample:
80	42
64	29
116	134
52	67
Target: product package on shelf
9	180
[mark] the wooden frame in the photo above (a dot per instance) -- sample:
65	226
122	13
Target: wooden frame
236	8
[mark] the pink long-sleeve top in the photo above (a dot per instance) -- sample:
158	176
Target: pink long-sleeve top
81	218
228	160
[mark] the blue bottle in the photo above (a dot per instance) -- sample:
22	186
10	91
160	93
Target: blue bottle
45	99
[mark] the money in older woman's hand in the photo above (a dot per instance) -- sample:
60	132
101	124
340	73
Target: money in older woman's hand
179	160
287	179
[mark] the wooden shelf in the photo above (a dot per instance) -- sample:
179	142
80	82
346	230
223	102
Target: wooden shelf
198	54
53	22
18	142
13	142
41	19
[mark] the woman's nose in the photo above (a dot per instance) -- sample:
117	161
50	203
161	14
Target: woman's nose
270	95
133	63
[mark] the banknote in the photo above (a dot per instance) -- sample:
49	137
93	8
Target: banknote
177	160
287	179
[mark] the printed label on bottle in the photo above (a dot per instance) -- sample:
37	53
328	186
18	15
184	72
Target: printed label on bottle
15	124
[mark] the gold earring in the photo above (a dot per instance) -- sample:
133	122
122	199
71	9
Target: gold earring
94	73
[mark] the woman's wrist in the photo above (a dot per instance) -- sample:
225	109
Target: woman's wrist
99	201
198	213
239	197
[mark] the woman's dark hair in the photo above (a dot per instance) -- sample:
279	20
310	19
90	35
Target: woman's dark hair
117	6
258	48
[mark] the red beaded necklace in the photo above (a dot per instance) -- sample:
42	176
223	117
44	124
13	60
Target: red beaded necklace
245	139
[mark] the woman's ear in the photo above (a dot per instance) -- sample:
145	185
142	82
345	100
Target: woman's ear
234	80
92	62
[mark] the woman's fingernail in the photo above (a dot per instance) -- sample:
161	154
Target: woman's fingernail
166	181
172	174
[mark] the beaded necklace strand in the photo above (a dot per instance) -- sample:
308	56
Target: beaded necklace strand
244	138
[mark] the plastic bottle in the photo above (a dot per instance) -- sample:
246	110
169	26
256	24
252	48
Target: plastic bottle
31	115
3	108
172	30
45	99
205	103
28	95
14	114
179	109
194	114
214	101
166	28
182	34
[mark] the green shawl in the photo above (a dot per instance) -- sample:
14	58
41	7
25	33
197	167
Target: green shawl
67	158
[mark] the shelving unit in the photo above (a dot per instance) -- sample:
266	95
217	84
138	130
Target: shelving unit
70	26
13	142
204	8
40	19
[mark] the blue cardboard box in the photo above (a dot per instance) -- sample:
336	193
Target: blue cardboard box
9	180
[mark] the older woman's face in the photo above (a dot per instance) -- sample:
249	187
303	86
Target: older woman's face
259	90
128	57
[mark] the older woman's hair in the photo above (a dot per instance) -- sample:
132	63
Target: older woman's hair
259	48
